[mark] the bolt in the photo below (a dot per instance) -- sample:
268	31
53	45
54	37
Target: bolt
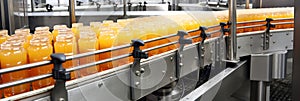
202	48
196	58
239	47
250	45
271	34
287	33
261	45
262	36
274	42
163	72
142	70
61	99
171	58
137	73
180	64
286	47
180	55
100	84
137	83
202	55
171	78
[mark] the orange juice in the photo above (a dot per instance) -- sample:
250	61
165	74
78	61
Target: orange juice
106	39
56	28
3	36
95	26
122	22
19	38
75	29
13	54
87	43
24	32
43	32
40	50
107	23
66	43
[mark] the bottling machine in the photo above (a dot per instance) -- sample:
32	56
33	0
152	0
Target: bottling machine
228	61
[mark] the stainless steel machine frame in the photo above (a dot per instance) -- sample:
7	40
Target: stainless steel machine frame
114	85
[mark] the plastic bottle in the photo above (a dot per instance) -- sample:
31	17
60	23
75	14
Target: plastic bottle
75	29
56	28
43	32
40	50
66	43
13	54
88	43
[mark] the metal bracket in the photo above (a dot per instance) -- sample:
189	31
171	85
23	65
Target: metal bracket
182	41
266	36
136	69
203	35
59	92
223	29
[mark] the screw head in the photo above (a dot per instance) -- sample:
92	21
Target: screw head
171	58
163	72
142	70
137	83
171	78
61	99
137	73
180	64
100	84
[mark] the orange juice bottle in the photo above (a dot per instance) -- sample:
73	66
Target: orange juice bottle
56	28
40	50
87	43
3	36
13	54
19	38
95	26
66	43
106	40
24	32
122	22
43	32
107	23
75	29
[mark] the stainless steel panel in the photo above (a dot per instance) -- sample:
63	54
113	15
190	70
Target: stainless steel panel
261	67
219	87
190	60
158	73
279	65
109	89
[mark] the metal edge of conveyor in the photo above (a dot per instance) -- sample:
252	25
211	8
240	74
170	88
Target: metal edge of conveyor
212	86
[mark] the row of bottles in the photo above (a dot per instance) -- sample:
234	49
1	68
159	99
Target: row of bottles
245	15
23	47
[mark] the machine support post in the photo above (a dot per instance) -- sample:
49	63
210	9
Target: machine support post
136	70
232	39
59	92
124	9
72	12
